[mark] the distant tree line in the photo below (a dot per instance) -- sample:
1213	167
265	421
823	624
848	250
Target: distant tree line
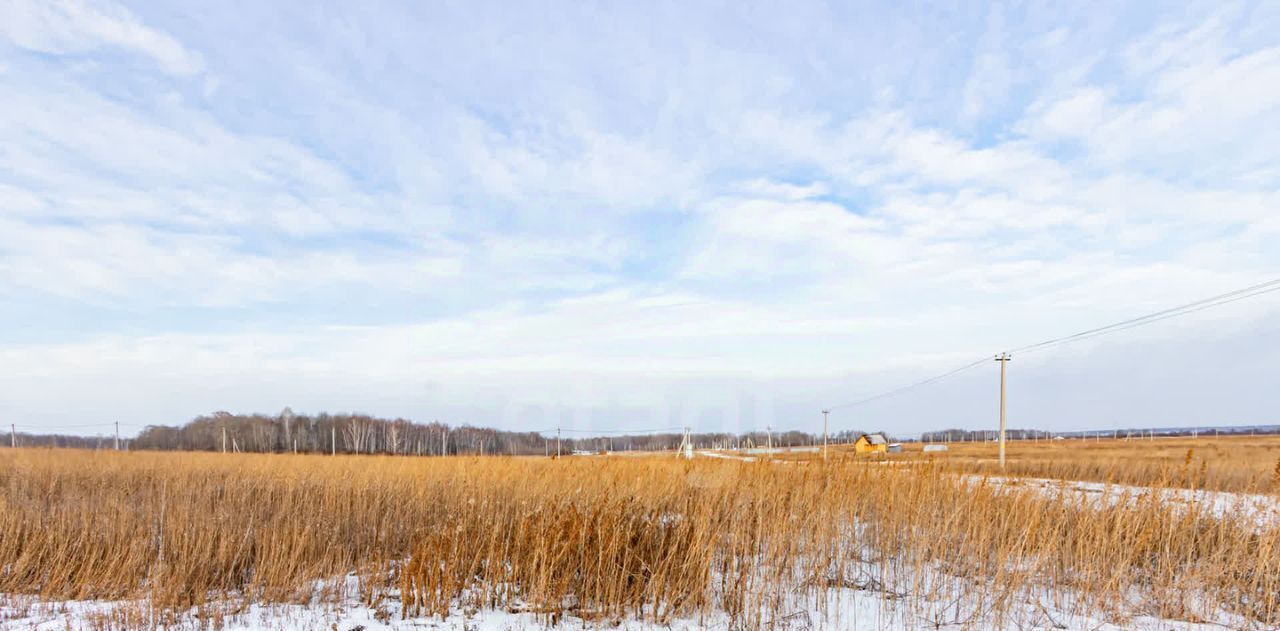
288	432
363	434
977	436
329	433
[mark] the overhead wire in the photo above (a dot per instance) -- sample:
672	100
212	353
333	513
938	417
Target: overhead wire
1191	307
910	386
628	431
1164	314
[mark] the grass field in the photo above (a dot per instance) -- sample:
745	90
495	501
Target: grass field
606	540
1246	464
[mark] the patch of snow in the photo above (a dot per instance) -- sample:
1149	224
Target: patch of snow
860	603
1262	510
715	454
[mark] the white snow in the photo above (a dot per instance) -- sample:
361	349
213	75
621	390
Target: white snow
847	607
1262	510
714	454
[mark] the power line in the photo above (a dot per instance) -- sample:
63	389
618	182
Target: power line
1199	305
1191	307
82	426
625	431
917	384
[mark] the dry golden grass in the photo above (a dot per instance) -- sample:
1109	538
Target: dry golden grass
1236	463
607	539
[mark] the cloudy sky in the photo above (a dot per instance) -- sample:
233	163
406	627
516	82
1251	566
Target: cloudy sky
721	215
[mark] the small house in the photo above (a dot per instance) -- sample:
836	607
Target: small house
871	444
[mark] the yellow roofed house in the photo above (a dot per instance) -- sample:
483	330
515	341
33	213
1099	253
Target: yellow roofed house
871	444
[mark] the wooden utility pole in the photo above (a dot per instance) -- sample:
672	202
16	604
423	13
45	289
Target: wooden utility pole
824	433
1003	358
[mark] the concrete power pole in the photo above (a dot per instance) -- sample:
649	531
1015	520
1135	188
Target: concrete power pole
686	446
117	435
824	433
1003	358
224	439
13	436
557	442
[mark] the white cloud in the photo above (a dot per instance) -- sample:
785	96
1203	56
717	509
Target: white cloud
121	263
64	27
783	190
1076	115
1181	110
571	166
453	238
988	85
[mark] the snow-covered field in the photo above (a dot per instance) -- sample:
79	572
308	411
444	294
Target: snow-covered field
845	609
1263	510
868	596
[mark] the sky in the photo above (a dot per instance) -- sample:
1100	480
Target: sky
625	216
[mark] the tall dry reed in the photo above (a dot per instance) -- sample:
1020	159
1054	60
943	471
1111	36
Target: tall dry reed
609	539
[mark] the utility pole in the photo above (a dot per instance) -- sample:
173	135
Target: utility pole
1003	358
557	442
13	436
333	438
768	432
117	435
824	433
224	439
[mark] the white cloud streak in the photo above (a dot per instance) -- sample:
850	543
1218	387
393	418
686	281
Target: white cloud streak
607	231
71	27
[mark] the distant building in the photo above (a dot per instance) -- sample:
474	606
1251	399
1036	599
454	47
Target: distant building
871	444
895	448
935	447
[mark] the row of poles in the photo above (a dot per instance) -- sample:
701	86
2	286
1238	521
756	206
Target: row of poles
1003	358
13	436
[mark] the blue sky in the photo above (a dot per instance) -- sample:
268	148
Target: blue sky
722	215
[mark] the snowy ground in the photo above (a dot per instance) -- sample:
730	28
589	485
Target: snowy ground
855	610
724	456
1263	510
845	608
